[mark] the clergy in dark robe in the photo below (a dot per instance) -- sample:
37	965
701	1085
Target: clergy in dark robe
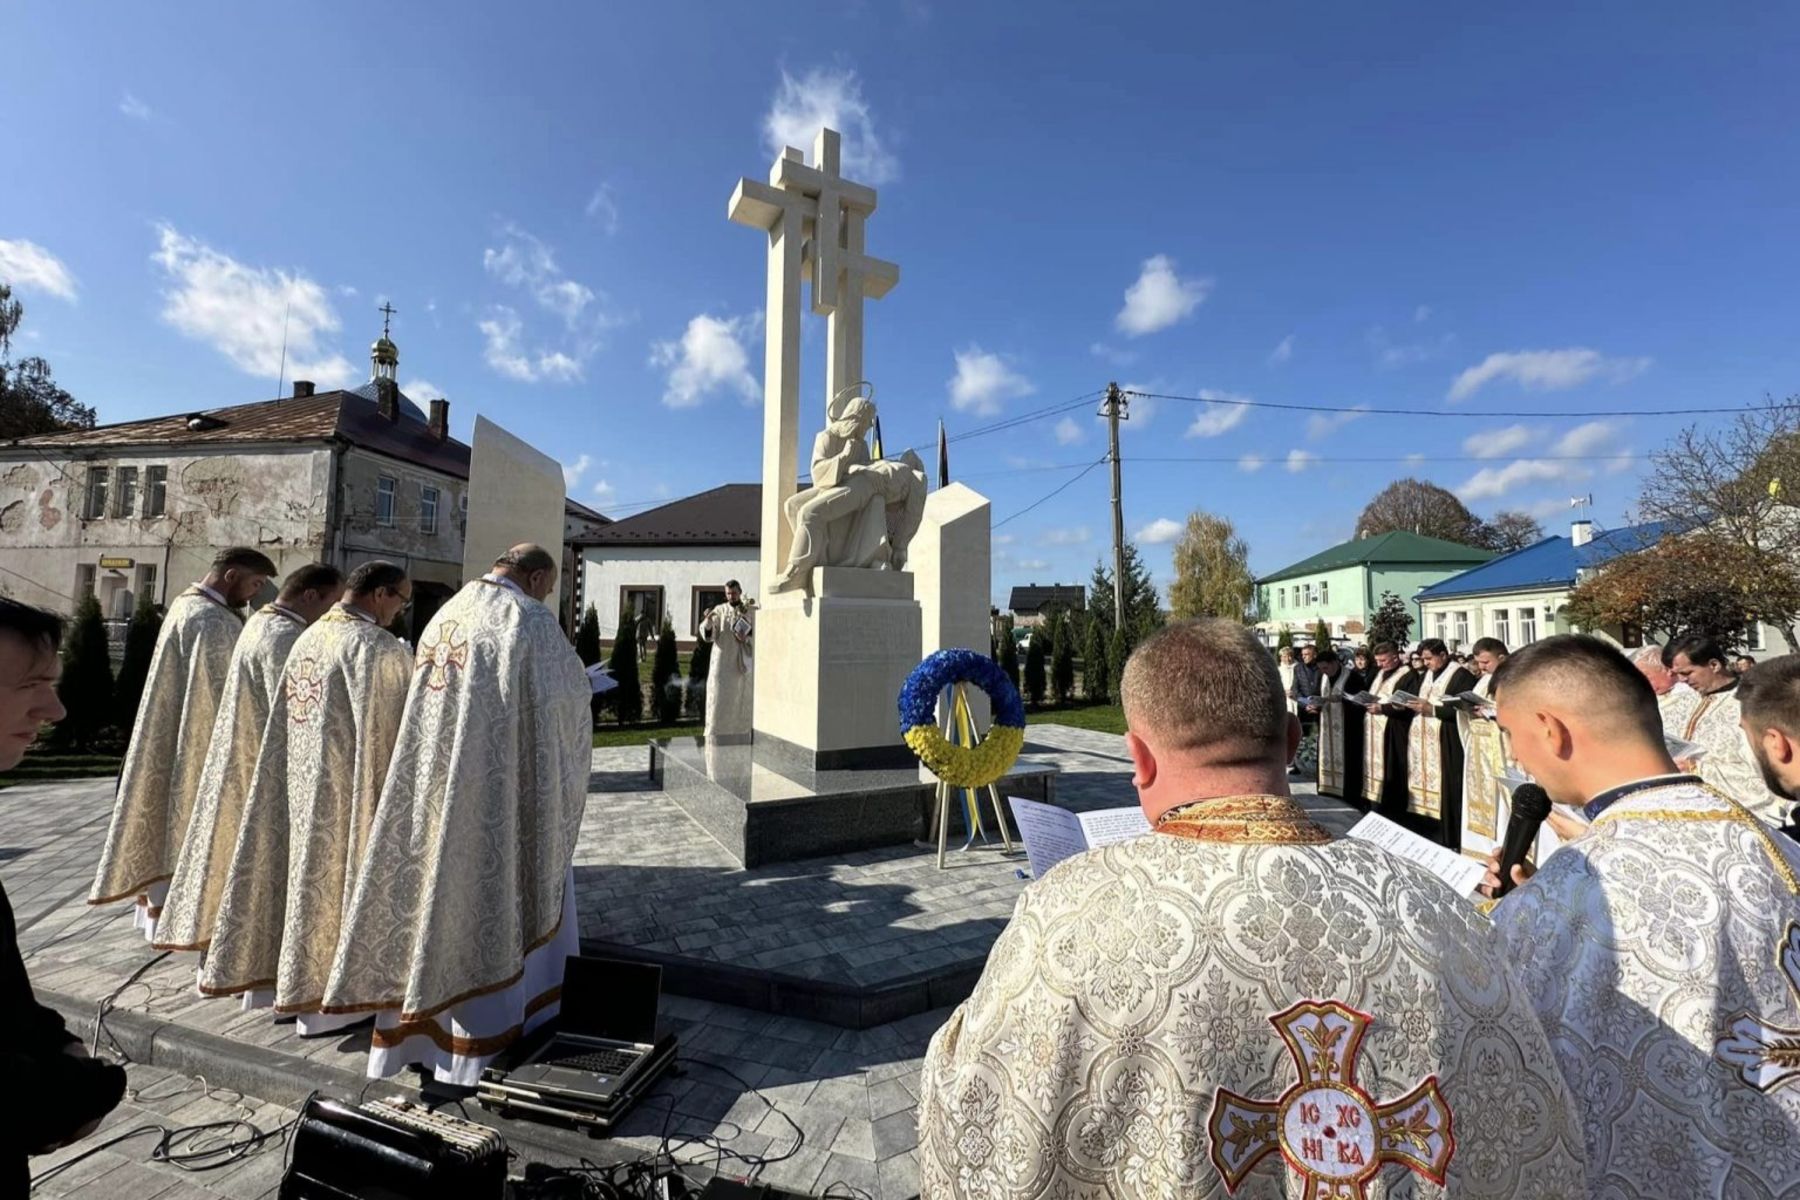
1434	752
1384	732
1340	728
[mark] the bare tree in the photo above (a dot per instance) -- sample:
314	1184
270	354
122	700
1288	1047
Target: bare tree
1415	506
1212	570
1509	531
1739	481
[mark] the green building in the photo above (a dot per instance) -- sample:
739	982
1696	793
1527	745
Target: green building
1342	586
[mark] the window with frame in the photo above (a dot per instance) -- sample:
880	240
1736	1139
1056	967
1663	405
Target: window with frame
1753	638
146	580
85	574
1459	627
156	491
705	600
428	506
95	506
125	487
1528	622
1324	592
1281	597
384	500
1503	627
1309	594
635	600
1440	626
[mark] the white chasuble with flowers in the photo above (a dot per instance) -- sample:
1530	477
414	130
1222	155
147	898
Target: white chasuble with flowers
161	774
1247	1008
469	857
1729	764
318	779
252	683
1656	950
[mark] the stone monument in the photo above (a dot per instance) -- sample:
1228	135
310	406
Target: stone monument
838	629
516	494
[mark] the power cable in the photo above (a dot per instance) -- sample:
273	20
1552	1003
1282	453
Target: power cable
1060	488
1483	415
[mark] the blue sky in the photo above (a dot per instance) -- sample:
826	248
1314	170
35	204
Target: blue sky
1394	206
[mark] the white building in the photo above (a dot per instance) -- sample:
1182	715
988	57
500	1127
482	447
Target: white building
673	560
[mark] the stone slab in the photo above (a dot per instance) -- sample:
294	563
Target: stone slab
857	583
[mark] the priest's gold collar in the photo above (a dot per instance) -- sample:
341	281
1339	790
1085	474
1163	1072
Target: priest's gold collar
1243	820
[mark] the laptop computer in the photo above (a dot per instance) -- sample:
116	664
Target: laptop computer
605	1036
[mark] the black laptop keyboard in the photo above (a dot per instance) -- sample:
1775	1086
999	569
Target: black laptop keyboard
600	1062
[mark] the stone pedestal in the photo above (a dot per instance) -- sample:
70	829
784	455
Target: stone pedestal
950	558
829	668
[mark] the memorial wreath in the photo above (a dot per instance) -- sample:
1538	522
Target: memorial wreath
965	766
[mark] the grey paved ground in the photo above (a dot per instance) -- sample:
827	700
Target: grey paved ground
644	874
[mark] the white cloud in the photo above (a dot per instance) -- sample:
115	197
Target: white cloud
1252	463
572	472
984	381
603	207
1158	532
1031	564
1117	357
1284	350
1077	535
134	108
1299	460
1003	539
1492	482
1421	314
1324	424
709	357
421	391
1593	437
523	261
240	311
1159	298
1068	433
1218	418
829	98
27	266
1498	443
1414	459
505	350
1546	370
1390	354
604	491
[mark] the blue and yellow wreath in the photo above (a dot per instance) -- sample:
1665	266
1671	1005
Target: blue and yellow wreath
971	764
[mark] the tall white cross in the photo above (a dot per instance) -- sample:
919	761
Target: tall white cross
814	218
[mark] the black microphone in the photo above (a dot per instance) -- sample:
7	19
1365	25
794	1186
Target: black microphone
1530	805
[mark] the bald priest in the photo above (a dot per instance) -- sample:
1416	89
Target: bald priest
161	775
1236	1002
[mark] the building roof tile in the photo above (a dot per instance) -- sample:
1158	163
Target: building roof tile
728	515
1550	563
1386	549
1031	598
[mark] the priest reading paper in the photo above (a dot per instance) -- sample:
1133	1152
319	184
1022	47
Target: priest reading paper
1714	723
252	682
161	775
730	683
1384	732
464	910
1236	1001
1661	948
318	779
1434	751
1340	727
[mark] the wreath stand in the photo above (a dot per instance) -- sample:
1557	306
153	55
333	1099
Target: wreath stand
960	730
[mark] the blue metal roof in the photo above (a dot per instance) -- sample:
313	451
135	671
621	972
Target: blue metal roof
1552	562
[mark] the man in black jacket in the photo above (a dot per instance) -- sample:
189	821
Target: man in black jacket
54	1093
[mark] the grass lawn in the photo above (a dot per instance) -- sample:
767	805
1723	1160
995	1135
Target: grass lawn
39	768
640	735
1102	718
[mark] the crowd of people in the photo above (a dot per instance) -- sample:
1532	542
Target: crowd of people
1239	1003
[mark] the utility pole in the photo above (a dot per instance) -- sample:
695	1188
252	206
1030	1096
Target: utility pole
1116	411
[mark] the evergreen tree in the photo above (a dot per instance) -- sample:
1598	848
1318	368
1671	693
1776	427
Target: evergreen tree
1285	639
698	667
1321	635
665	684
140	646
1095	674
1034	667
587	637
1009	656
628	697
1124	641
1391	623
1062	660
1143	606
86	687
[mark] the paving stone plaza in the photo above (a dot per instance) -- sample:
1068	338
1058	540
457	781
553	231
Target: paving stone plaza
649	882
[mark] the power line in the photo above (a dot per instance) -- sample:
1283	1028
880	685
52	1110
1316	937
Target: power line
1059	489
1488	414
1013	422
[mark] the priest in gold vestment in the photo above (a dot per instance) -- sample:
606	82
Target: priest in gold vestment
252	683
1434	751
1485	756
1340	728
318	779
1236	1002
1661	948
1715	723
161	774
464	910
1384	732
